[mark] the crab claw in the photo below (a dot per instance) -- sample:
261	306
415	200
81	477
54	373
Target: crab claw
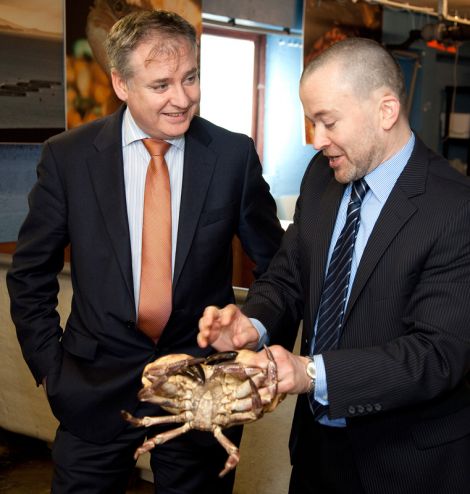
217	358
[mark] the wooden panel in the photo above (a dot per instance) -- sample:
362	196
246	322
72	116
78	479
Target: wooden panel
7	247
242	266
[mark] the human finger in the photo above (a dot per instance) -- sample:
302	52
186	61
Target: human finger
209	326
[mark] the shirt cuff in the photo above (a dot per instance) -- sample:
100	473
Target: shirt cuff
321	389
262	332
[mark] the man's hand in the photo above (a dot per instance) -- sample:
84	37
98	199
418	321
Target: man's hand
226	329
291	369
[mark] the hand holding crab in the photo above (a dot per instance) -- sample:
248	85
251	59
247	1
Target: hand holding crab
207	394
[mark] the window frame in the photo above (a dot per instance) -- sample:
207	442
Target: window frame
259	40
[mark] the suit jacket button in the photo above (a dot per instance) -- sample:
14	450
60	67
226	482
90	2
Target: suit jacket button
369	408
352	410
130	324
360	408
377	407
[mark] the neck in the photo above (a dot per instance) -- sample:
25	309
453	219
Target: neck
396	139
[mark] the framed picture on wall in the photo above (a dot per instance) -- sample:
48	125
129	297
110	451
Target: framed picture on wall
89	94
31	70
329	21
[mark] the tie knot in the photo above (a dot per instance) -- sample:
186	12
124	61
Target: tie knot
156	147
359	190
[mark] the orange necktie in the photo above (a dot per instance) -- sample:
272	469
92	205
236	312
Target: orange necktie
155	277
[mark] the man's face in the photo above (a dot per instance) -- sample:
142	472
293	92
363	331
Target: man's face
346	127
163	94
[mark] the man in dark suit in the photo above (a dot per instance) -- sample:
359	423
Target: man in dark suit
385	407
90	195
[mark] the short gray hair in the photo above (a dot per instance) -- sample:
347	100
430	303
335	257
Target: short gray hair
366	65
141	26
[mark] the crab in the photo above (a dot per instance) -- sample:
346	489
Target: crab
207	394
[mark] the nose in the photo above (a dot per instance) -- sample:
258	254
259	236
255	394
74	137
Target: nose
320	139
179	97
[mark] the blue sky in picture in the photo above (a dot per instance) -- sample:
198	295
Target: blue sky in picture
18	172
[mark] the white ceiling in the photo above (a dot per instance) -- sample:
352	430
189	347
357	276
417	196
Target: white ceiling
452	10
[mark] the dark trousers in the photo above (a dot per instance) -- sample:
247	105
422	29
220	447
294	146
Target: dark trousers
327	463
187	464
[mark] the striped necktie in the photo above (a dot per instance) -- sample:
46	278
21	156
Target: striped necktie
335	288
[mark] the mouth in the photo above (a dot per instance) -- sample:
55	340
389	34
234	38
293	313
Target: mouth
176	115
333	160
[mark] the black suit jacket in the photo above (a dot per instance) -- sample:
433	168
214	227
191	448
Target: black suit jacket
93	368
401	373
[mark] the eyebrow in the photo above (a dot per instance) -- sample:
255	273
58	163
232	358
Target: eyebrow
166	79
323	113
192	71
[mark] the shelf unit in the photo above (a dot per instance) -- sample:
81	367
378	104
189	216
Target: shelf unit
451	145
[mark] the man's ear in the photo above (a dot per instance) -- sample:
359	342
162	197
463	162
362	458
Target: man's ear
389	111
119	85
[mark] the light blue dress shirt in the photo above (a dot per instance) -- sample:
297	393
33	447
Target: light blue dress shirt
381	182
136	160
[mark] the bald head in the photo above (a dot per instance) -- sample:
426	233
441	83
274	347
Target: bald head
364	65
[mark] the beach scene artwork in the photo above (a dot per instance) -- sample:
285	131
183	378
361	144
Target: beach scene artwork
32	97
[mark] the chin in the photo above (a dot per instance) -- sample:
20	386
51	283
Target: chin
178	130
341	177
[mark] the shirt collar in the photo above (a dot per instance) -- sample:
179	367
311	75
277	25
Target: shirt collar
382	179
131	132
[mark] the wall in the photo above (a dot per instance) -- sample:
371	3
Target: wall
285	155
280	12
436	71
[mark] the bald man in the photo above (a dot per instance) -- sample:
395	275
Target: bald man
384	392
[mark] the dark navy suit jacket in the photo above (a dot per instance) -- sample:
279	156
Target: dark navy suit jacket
401	373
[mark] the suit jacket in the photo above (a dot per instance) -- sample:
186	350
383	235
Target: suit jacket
401	373
94	366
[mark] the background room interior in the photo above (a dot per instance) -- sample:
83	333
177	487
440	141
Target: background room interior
252	54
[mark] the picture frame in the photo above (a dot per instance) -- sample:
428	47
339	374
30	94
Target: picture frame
31	68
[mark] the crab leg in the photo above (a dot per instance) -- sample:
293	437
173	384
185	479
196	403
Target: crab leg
146	394
161	438
232	450
149	421
238	418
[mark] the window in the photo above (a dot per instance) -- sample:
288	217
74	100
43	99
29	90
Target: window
230	80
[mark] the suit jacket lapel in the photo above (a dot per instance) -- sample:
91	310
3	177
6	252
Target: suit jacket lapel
107	175
396	212
199	162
